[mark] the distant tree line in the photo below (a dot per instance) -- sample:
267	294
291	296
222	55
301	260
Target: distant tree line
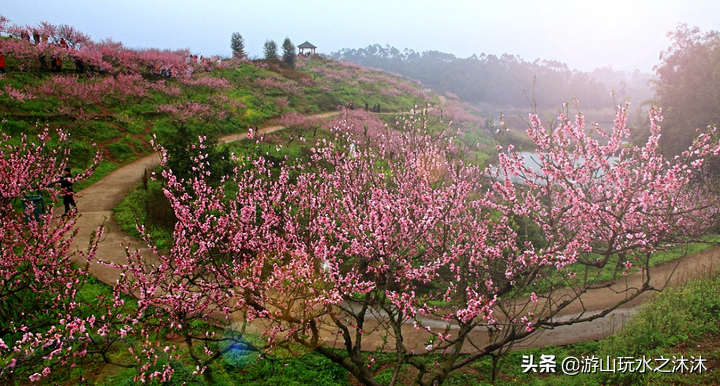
506	80
688	88
237	44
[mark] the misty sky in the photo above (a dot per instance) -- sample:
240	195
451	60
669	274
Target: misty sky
585	35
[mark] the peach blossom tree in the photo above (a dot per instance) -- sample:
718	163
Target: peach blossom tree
43	323
397	246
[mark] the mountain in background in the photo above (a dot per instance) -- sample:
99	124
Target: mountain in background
507	81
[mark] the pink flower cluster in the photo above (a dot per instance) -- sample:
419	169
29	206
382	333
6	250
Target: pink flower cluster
41	270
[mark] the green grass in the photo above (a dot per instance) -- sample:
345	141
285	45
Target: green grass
610	272
133	209
672	324
679	321
102	170
121	151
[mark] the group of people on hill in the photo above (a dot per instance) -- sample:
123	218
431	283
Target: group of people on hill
206	63
375	107
55	62
43	39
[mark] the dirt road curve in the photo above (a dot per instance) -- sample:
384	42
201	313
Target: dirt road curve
96	203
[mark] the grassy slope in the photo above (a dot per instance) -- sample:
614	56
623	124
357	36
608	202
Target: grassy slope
122	130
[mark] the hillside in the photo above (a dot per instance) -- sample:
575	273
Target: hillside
115	99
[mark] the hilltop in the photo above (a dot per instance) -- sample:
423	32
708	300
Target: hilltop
115	99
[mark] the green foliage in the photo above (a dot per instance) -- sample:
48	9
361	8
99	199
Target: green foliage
324	101
676	315
136	144
254	116
99	131
13	127
121	151
81	153
146	204
687	86
185	145
306	369
505	80
134	123
288	52
270	50
103	169
241	367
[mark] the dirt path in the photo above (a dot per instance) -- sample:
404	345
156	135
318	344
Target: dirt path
97	201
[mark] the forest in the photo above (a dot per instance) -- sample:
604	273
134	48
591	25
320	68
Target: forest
507	80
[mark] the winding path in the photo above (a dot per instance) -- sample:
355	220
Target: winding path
97	201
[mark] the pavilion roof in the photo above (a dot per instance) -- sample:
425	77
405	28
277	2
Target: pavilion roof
306	45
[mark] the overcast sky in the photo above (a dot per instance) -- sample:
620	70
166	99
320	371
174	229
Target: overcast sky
624	34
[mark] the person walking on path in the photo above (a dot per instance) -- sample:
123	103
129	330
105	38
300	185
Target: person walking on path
67	190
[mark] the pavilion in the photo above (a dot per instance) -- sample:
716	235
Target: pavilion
307	46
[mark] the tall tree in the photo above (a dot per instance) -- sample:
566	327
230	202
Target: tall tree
289	52
270	49
688	86
237	44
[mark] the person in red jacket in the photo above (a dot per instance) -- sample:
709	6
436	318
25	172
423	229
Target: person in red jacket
2	63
